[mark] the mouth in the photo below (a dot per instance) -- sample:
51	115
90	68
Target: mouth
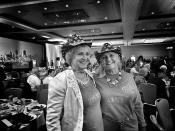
110	63
83	62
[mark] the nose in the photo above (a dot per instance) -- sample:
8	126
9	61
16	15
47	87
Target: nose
85	57
108	59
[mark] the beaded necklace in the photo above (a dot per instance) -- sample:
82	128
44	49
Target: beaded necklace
115	81
83	81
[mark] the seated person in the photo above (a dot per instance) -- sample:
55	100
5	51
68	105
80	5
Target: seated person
33	79
49	76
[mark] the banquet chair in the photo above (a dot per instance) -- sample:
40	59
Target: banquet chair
14	92
173	115
150	115
148	91
164	114
172	96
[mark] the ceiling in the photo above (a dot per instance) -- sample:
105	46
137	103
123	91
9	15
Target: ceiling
122	22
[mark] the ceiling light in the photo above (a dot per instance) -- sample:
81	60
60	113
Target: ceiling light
113	42
33	37
57	39
106	18
167	23
66	22
45	36
169	48
143	29
45	8
45	23
67	5
82	20
154	40
112	32
152	13
19	12
98	1
57	15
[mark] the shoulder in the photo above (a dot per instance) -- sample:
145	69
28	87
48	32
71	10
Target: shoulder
62	77
127	75
32	77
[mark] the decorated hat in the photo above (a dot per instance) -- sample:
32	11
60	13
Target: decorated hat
108	48
72	42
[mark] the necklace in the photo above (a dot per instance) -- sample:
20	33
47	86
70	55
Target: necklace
82	79
114	81
83	82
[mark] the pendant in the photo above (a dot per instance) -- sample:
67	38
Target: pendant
114	82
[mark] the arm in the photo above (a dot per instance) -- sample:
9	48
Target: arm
55	104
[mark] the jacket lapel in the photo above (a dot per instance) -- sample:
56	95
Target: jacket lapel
72	83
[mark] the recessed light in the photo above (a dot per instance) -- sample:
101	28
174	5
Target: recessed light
112	32
98	1
67	5
33	37
106	18
152	13
19	12
57	15
45	8
143	29
46	36
82	20
66	22
45	23
167	23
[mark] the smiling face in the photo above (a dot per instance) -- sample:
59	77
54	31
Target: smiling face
110	61
81	57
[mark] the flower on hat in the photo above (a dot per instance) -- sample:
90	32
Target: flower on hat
108	48
73	41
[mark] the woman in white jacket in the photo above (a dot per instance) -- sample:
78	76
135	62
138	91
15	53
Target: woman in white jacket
73	100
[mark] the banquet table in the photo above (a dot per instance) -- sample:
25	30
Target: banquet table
21	115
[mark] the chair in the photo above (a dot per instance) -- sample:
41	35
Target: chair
15	92
150	110
148	91
164	114
173	115
172	96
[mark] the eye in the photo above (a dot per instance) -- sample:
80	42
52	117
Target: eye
80	53
103	58
111	55
87	54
